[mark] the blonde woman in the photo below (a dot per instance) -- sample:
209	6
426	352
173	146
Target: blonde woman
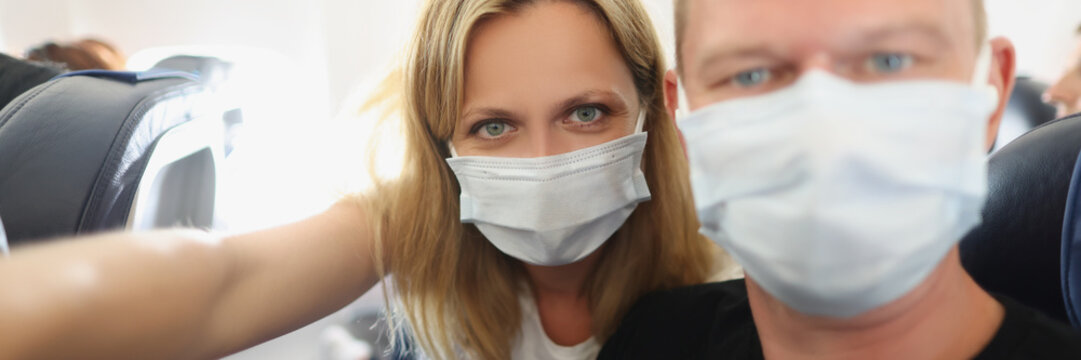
544	191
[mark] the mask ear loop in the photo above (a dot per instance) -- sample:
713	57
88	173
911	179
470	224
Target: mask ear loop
683	106
981	75
453	153
641	123
982	72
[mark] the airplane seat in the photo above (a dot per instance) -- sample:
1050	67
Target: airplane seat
1071	250
215	73
1016	250
1024	112
211	70
98	150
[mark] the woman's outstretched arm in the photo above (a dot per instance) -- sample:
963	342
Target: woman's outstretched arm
180	294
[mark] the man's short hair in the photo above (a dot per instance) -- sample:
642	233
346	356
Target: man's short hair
681	23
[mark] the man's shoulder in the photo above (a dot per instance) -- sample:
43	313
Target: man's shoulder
679	321
706	295
695	307
1028	334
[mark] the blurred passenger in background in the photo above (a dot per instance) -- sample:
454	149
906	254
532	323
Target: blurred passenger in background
86	54
18	76
1065	94
1025	111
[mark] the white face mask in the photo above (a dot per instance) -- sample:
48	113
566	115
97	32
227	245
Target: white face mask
838	197
553	210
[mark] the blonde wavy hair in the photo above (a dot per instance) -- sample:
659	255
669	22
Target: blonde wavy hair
456	294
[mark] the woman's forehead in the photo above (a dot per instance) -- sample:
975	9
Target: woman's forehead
549	50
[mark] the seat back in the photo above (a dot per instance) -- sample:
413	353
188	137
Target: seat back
215	74
94	151
1071	250
212	71
1016	251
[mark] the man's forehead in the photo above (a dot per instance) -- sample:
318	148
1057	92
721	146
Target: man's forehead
782	22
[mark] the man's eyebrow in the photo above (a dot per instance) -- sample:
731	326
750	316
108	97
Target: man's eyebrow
743	49
738	51
924	30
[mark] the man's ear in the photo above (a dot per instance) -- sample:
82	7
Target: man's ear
671	102
1003	71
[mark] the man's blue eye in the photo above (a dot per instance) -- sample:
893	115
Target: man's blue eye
753	77
586	114
889	63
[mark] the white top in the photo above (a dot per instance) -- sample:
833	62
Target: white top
533	343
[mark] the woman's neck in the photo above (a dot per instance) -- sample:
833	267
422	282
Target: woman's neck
948	316
561	303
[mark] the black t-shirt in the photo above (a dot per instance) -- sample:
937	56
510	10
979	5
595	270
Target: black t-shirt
713	321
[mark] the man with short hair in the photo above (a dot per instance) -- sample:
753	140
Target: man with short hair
1066	93
838	152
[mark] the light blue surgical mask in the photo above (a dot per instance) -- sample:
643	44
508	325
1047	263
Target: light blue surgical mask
553	210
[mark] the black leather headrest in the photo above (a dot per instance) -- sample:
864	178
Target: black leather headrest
1016	250
73	150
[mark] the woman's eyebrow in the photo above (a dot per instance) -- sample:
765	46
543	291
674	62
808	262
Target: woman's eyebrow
487	113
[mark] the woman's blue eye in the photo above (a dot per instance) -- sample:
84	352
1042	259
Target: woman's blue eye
495	129
888	63
586	114
753	77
